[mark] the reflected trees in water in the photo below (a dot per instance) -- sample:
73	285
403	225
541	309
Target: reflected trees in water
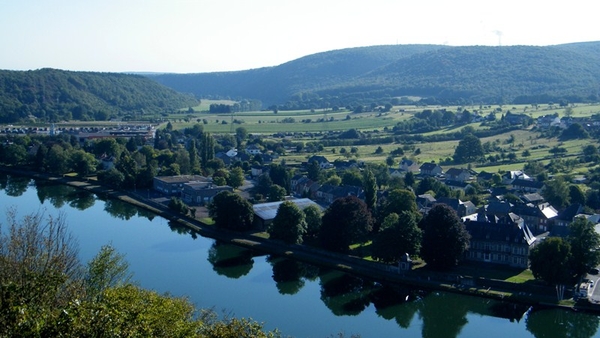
560	323
230	260
290	275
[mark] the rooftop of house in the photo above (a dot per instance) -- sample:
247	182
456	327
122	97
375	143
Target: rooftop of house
268	211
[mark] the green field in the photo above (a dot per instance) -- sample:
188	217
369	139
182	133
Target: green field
310	125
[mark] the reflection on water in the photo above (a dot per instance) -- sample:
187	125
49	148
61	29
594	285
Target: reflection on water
311	293
230	260
289	275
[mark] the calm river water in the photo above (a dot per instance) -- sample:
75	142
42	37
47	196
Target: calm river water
298	299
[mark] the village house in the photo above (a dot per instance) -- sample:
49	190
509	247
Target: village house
506	241
173	185
484	176
462	208
458	175
407	165
321	160
566	217
398	173
509	176
430	169
529	186
201	193
328	193
548	121
253	149
302	186
457	185
533	198
537	217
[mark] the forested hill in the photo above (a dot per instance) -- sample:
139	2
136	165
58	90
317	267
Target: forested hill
475	74
276	85
55	95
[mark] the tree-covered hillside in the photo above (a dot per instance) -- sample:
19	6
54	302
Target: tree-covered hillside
55	95
475	74
276	85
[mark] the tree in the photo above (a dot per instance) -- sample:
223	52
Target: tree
280	176
352	177
399	235
57	160
289	224
556	192
312	216
314	171
574	131
83	163
241	134
370	189
230	211
409	179
111	177
346	221
398	201
550	261
38	272
576	195
276	193
469	149
236	177
445	238
584	242
106	270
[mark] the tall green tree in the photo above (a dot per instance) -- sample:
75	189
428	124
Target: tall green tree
106	270
236	178
556	192
289	224
230	211
83	163
370	189
346	221
399	235
314	171
549	261
280	175
276	193
398	201
584	242
57	160
194	157
445	238
469	149
207	149
312	215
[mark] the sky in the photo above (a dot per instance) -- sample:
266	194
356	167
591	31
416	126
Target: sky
194	36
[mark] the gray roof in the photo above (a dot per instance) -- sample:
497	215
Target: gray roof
182	178
268	211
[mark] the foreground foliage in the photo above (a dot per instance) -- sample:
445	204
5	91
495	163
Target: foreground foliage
46	292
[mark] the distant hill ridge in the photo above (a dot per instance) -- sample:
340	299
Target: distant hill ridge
442	74
54	95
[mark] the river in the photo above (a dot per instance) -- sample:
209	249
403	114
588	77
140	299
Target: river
299	299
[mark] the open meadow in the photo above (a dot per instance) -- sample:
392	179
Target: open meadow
512	149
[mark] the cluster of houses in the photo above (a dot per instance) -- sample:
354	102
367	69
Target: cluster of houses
502	231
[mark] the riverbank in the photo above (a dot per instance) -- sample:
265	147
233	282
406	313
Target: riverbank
529	294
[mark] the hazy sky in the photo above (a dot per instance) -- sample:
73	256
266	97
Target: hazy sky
187	36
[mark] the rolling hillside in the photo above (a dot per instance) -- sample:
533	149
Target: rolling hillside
52	95
475	74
